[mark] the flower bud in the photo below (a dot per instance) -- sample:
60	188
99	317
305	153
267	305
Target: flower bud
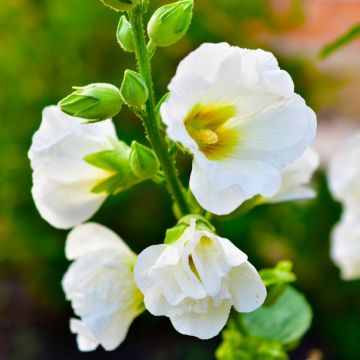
170	22
94	102
120	5
133	89
124	34
143	161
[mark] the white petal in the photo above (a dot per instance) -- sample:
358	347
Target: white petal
64	205
344	171
247	289
233	255
278	135
203	61
345	247
296	176
203	325
91	237
144	262
85	339
222	187
103	293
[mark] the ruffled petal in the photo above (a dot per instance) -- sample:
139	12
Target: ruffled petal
91	237
246	287
64	205
85	339
203	325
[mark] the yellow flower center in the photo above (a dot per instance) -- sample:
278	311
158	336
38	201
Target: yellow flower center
208	126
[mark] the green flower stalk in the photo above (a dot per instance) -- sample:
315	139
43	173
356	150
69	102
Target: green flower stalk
95	102
170	23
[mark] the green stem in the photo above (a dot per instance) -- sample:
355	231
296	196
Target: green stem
155	137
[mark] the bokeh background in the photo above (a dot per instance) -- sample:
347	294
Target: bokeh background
47	46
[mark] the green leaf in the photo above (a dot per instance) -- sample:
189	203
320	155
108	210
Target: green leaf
286	321
340	42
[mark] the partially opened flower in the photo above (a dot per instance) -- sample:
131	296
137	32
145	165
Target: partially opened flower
100	286
196	280
237	113
296	178
62	179
344	173
345	245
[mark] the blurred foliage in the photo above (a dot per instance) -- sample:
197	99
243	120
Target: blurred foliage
341	41
49	46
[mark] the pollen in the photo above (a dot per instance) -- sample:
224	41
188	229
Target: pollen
209	126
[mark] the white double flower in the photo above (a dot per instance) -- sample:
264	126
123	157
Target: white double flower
196	280
344	183
62	179
237	113
101	287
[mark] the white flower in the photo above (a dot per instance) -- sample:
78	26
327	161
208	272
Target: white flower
344	173
101	287
237	113
62	180
345	246
295	178
195	281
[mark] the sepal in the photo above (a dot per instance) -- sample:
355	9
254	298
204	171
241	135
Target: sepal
174	233
116	162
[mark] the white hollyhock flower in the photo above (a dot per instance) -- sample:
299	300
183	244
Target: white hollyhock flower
237	113
345	246
344	173
101	287
195	281
62	180
296	177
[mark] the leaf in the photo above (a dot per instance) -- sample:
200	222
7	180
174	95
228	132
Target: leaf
286	321
340	42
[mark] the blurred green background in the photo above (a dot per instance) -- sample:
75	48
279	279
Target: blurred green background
47	46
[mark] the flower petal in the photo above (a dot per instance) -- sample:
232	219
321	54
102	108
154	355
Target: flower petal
194	63
247	289
203	325
91	237
64	206
85	339
220	188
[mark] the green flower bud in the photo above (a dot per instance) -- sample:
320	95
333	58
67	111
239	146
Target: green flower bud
170	22
120	5
143	161
133	89
124	35
95	102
